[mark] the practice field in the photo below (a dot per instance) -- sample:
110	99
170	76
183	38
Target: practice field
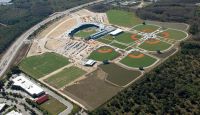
64	77
92	91
123	18
146	28
137	59
104	53
120	76
127	38
173	34
118	45
53	106
154	45
41	65
86	32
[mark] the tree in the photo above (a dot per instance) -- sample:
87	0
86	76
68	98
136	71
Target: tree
106	62
194	29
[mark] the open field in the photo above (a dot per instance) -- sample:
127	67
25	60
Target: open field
146	28
64	77
53	106
86	32
118	45
41	65
154	45
104	53
92	91
173	34
127	38
123	18
119	75
137	59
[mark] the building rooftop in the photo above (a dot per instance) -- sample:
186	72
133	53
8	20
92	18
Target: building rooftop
27	85
115	32
2	105
13	112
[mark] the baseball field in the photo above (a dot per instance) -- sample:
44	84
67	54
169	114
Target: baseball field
104	53
173	34
146	28
138	59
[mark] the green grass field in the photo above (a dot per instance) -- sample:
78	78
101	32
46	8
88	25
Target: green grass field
106	39
174	34
41	65
119	75
138	62
118	45
103	56
126	38
123	18
64	77
86	32
53	106
155	47
146	28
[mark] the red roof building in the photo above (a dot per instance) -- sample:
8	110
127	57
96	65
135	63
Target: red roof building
42	99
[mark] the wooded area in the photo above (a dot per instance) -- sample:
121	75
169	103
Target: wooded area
23	14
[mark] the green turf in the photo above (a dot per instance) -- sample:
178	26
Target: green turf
146	28
86	32
175	34
41	65
119	75
105	40
53	106
126	38
123	18
118	45
64	77
155	47
103	56
138	62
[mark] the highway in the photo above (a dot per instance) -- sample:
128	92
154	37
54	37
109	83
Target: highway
10	53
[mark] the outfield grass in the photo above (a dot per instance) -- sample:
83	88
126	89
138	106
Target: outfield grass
85	32
138	62
126	38
64	77
174	34
118	45
155	47
103	56
41	65
119	75
146	28
123	18
53	106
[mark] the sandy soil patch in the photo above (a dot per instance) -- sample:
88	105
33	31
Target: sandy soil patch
53	44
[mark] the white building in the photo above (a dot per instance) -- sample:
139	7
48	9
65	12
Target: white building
2	105
13	112
89	62
28	86
116	32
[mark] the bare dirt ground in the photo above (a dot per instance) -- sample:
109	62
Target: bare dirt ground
53	44
92	91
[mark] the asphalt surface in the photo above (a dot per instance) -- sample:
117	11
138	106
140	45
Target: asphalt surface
14	48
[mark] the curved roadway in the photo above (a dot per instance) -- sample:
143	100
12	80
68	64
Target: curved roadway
13	49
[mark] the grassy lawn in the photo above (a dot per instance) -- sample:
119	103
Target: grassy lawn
138	62
123	18
64	77
118	45
86	32
120	76
174	34
106	39
126	38
103	56
53	106
41	65
155	47
146	28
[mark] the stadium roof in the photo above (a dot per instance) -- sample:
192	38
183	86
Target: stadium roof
115	32
27	85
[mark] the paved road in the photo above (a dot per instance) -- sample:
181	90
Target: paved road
13	49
